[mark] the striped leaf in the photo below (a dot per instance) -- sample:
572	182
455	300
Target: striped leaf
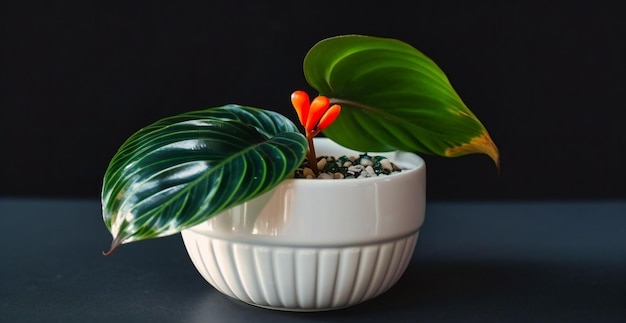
393	97
182	170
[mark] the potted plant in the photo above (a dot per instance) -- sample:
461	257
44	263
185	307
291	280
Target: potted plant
224	177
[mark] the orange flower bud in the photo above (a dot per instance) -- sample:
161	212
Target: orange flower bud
301	103
319	105
315	115
328	117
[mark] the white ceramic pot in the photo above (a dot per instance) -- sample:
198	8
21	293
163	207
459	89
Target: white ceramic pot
311	245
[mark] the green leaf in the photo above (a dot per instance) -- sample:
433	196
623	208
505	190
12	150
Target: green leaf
393	97
181	170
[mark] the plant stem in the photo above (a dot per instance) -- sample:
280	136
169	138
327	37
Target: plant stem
311	153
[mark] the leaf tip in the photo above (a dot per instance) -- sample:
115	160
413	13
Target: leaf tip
114	245
482	144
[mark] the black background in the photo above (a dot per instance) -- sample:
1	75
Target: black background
546	78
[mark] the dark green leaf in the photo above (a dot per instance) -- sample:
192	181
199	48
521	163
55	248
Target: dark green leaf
184	169
393	97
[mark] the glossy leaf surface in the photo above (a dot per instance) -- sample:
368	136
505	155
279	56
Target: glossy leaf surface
393	97
184	169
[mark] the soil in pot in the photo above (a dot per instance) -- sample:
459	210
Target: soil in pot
348	167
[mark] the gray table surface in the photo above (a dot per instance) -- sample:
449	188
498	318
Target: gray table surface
474	262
